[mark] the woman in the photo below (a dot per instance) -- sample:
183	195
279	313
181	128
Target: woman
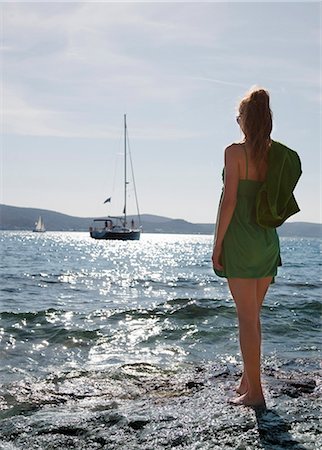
244	252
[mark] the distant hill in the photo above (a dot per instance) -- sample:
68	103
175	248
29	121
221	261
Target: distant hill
17	218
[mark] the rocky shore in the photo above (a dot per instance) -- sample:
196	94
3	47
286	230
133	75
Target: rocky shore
145	407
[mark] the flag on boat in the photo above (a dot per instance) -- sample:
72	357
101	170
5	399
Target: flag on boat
108	200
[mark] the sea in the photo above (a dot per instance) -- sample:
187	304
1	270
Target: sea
134	345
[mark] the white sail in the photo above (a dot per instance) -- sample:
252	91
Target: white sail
40	225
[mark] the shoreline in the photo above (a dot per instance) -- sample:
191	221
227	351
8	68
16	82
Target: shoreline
140	405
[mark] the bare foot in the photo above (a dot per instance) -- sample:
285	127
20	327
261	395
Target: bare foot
243	386
247	400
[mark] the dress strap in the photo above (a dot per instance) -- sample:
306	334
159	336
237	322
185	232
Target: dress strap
246	160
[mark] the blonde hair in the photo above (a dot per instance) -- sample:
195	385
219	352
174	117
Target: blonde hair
257	121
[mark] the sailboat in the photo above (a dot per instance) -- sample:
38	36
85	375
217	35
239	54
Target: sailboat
39	226
117	227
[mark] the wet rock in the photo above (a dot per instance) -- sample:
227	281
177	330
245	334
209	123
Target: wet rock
295	388
306	386
155	409
138	424
194	384
179	440
113	418
65	430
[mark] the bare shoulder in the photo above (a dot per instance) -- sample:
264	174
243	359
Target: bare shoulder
234	150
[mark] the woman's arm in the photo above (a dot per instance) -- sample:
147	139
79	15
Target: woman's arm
228	202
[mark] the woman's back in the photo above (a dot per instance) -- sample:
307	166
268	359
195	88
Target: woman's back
248	169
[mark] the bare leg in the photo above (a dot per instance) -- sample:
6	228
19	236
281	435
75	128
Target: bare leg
262	287
243	384
246	295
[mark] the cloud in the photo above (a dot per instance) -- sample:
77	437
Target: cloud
22	118
66	64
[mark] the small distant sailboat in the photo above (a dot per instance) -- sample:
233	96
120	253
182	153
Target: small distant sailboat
117	227
39	226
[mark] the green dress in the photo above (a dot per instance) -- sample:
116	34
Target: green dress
249	250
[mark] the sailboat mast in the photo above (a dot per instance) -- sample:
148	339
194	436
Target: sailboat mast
125	175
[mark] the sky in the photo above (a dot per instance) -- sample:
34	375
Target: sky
71	70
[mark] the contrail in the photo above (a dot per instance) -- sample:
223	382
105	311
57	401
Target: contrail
214	80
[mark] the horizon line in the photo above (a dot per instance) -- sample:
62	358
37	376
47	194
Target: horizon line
143	214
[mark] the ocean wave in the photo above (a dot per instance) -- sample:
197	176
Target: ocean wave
30	315
297	284
179	308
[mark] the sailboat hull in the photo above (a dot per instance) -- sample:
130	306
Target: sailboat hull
126	235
